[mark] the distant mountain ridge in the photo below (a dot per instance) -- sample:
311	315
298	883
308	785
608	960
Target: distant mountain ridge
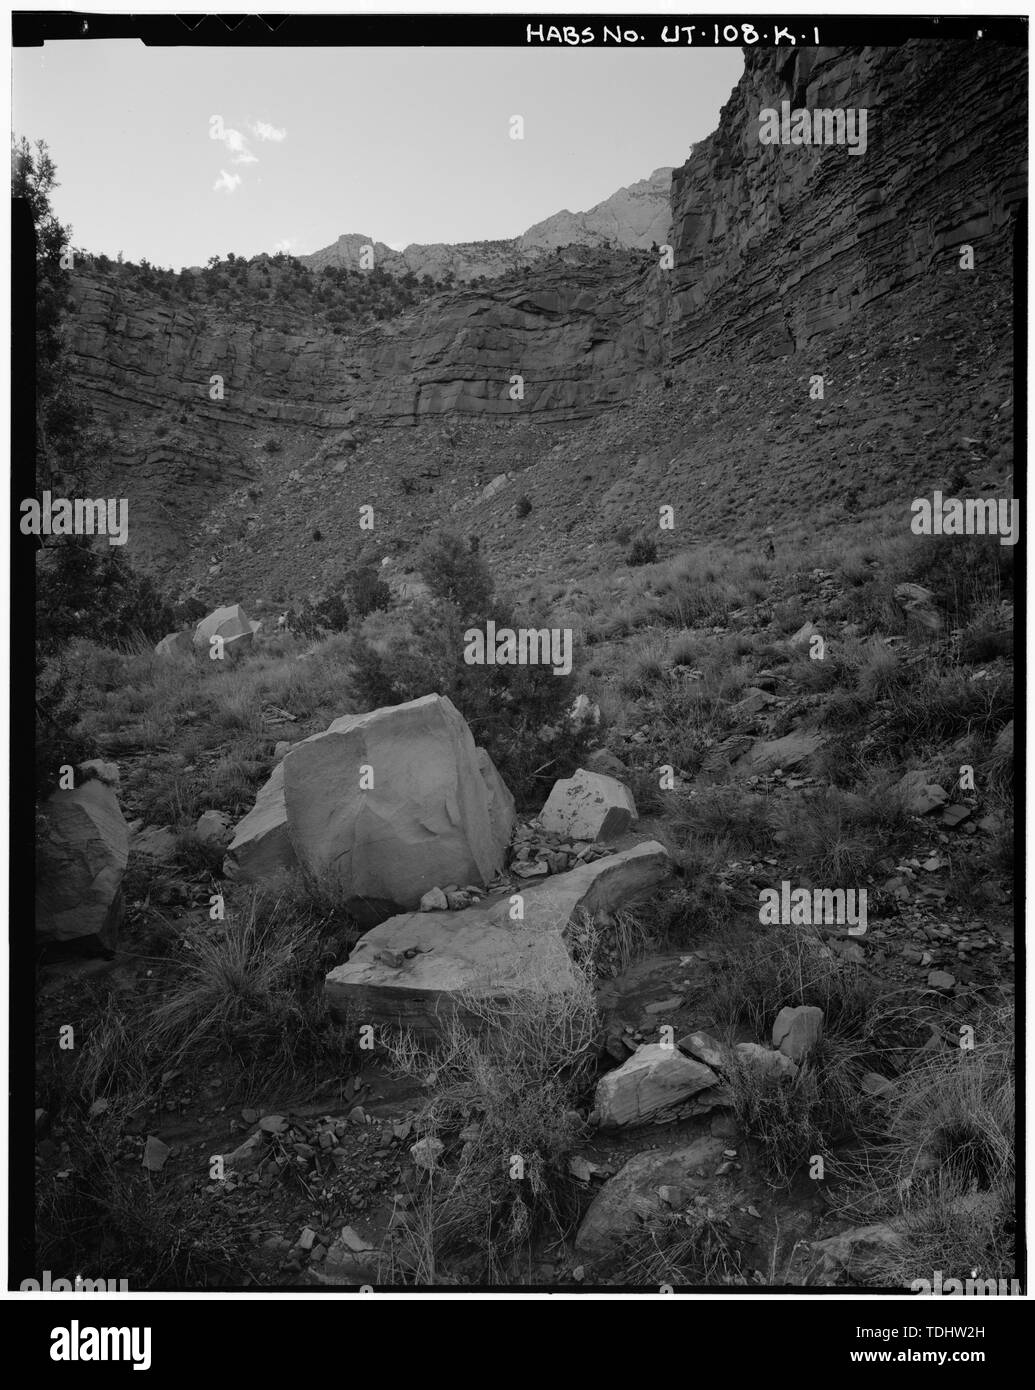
633	217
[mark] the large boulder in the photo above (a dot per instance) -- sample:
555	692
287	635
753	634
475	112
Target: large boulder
502	814
630	1200
176	644
80	860
654	1084
588	806
261	846
232	624
397	801
410	970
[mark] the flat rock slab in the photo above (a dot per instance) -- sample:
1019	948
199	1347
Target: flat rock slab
785	753
630	1199
483	950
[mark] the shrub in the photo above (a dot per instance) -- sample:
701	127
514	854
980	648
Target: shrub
523	506
643	551
516	712
366	591
457	574
507	1079
86	589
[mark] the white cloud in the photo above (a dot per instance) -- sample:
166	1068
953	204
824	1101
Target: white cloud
237	144
264	131
227	181
288	244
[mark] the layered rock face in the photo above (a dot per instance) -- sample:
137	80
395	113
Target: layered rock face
576	336
775	244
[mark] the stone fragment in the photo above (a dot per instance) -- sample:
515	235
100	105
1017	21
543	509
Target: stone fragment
630	1199
156	1154
426	1153
763	1059
706	1049
797	1030
656	1079
214	828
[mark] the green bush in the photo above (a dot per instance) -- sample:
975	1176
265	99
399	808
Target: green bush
87	589
366	591
643	551
456	573
516	712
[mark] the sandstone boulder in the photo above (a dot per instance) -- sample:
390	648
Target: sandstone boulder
654	1083
176	644
630	1199
261	846
502	814
232	624
81	858
588	806
397	801
413	969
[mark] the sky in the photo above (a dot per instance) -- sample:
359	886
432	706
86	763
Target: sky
179	154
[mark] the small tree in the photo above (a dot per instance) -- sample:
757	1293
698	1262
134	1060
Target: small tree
456	573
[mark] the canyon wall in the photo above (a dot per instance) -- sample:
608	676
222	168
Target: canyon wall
774	244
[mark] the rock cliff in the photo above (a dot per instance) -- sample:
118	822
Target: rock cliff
778	250
776	244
